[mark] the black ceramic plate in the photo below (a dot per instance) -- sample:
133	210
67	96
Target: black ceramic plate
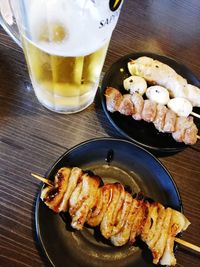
114	160
141	132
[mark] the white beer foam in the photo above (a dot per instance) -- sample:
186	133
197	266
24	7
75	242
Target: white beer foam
81	19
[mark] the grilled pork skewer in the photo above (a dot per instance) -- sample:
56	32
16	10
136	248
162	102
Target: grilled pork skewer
165	120
98	210
121	218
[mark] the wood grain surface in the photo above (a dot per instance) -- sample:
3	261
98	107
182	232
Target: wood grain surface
32	138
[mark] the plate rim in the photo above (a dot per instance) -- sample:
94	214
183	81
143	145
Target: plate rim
153	149
77	146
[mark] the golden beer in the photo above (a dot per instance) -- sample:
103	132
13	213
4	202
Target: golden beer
63	83
65	43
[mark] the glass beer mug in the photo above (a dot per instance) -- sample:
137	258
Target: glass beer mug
65	43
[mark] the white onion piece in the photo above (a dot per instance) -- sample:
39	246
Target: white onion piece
181	106
135	84
158	94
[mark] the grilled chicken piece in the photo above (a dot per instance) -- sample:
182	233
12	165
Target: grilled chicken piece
86	200
190	136
53	195
123	236
95	218
74	178
159	121
149	110
178	223
122	216
108	220
170	122
159	247
138	103
126	106
182	123
113	99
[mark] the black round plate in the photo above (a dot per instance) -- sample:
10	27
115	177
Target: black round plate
141	132
113	160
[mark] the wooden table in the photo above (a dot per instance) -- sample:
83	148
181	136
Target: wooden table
32	138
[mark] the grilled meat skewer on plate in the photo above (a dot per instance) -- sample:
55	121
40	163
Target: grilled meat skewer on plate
121	217
183	129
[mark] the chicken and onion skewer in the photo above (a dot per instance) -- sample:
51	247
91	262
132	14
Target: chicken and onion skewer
120	216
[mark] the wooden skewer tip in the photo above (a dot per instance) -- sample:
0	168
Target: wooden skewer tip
44	180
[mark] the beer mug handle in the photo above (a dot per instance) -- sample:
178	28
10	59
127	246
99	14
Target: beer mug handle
7	21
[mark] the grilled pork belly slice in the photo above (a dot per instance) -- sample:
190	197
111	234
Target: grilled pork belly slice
139	220
178	224
108	220
123	236
74	178
118	207
157	227
150	224
96	217
86	200
53	195
74	202
123	214
96	209
159	247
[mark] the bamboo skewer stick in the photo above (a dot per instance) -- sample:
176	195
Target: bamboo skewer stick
178	240
195	114
198	137
44	180
187	244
